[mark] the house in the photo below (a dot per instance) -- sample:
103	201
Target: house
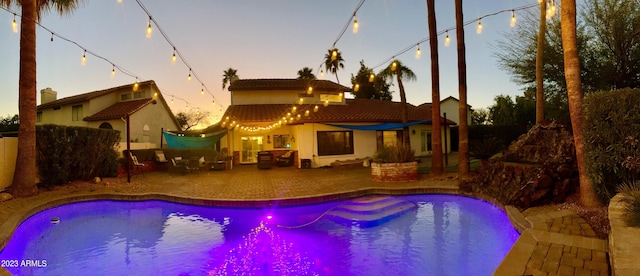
147	110
449	106
313	118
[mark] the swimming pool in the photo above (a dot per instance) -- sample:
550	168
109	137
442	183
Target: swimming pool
444	235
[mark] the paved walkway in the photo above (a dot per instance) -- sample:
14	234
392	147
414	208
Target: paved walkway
549	245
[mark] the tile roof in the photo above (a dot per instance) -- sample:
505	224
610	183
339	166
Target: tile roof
119	110
354	111
88	96
286	84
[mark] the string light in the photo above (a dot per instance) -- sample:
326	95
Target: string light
113	70
306	113
309	90
149	29
119	1
84	58
315	108
189	76
135	85
321	74
356	87
173	57
513	19
14	24
326	102
394	65
371	77
51	37
447	39
334	54
202	90
418	52
479	29
355	24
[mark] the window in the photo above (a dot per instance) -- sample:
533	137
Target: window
76	113
105	125
139	94
425	140
391	137
281	141
39	117
335	142
125	97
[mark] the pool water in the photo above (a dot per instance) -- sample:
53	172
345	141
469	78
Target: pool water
445	235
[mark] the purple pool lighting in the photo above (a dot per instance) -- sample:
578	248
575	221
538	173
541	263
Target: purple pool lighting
444	235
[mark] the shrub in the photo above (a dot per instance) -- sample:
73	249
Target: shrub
611	126
631	202
485	148
68	153
399	153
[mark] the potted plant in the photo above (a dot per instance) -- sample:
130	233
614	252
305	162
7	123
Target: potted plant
394	163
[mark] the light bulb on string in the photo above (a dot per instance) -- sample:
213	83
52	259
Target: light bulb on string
418	52
310	90
306	113
149	29
326	102
189	76
371	77
113	71
513	19
355	24
14	24
84	58
202	90
173	57
51	37
334	54
394	65
315	108
135	85
301	100
356	87
294	109
321	74
479	29
447	39
119	1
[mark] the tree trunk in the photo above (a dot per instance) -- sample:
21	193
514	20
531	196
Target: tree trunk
588	196
403	110
540	63
463	131
437	166
24	179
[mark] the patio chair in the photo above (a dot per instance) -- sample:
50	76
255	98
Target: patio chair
161	159
286	159
137	166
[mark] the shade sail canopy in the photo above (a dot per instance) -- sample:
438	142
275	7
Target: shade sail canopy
183	142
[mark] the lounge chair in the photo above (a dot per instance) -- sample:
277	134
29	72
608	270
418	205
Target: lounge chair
161	159
137	166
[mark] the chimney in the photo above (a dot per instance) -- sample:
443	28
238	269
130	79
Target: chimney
48	95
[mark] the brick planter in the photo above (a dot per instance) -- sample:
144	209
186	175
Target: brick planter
394	171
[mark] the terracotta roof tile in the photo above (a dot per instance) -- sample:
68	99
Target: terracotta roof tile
286	84
119	110
87	96
355	111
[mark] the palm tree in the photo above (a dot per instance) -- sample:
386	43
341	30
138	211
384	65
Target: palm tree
437	166
463	128
306	73
588	196
230	75
333	62
401	72
540	63
24	179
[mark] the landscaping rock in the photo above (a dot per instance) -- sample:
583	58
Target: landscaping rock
5	196
537	169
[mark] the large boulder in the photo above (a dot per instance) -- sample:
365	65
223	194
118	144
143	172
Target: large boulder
537	169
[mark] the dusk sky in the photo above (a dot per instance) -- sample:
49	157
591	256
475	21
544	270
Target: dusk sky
261	39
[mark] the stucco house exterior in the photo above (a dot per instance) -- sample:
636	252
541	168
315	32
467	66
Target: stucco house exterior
313	119
147	110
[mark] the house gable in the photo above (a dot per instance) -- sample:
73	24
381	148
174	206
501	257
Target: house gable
286	91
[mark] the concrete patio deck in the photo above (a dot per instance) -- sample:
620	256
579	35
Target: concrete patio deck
550	243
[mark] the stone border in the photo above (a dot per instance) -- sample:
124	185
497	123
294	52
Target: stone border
624	246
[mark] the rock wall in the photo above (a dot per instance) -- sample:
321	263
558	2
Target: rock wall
537	169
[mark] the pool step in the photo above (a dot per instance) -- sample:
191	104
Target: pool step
370	211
